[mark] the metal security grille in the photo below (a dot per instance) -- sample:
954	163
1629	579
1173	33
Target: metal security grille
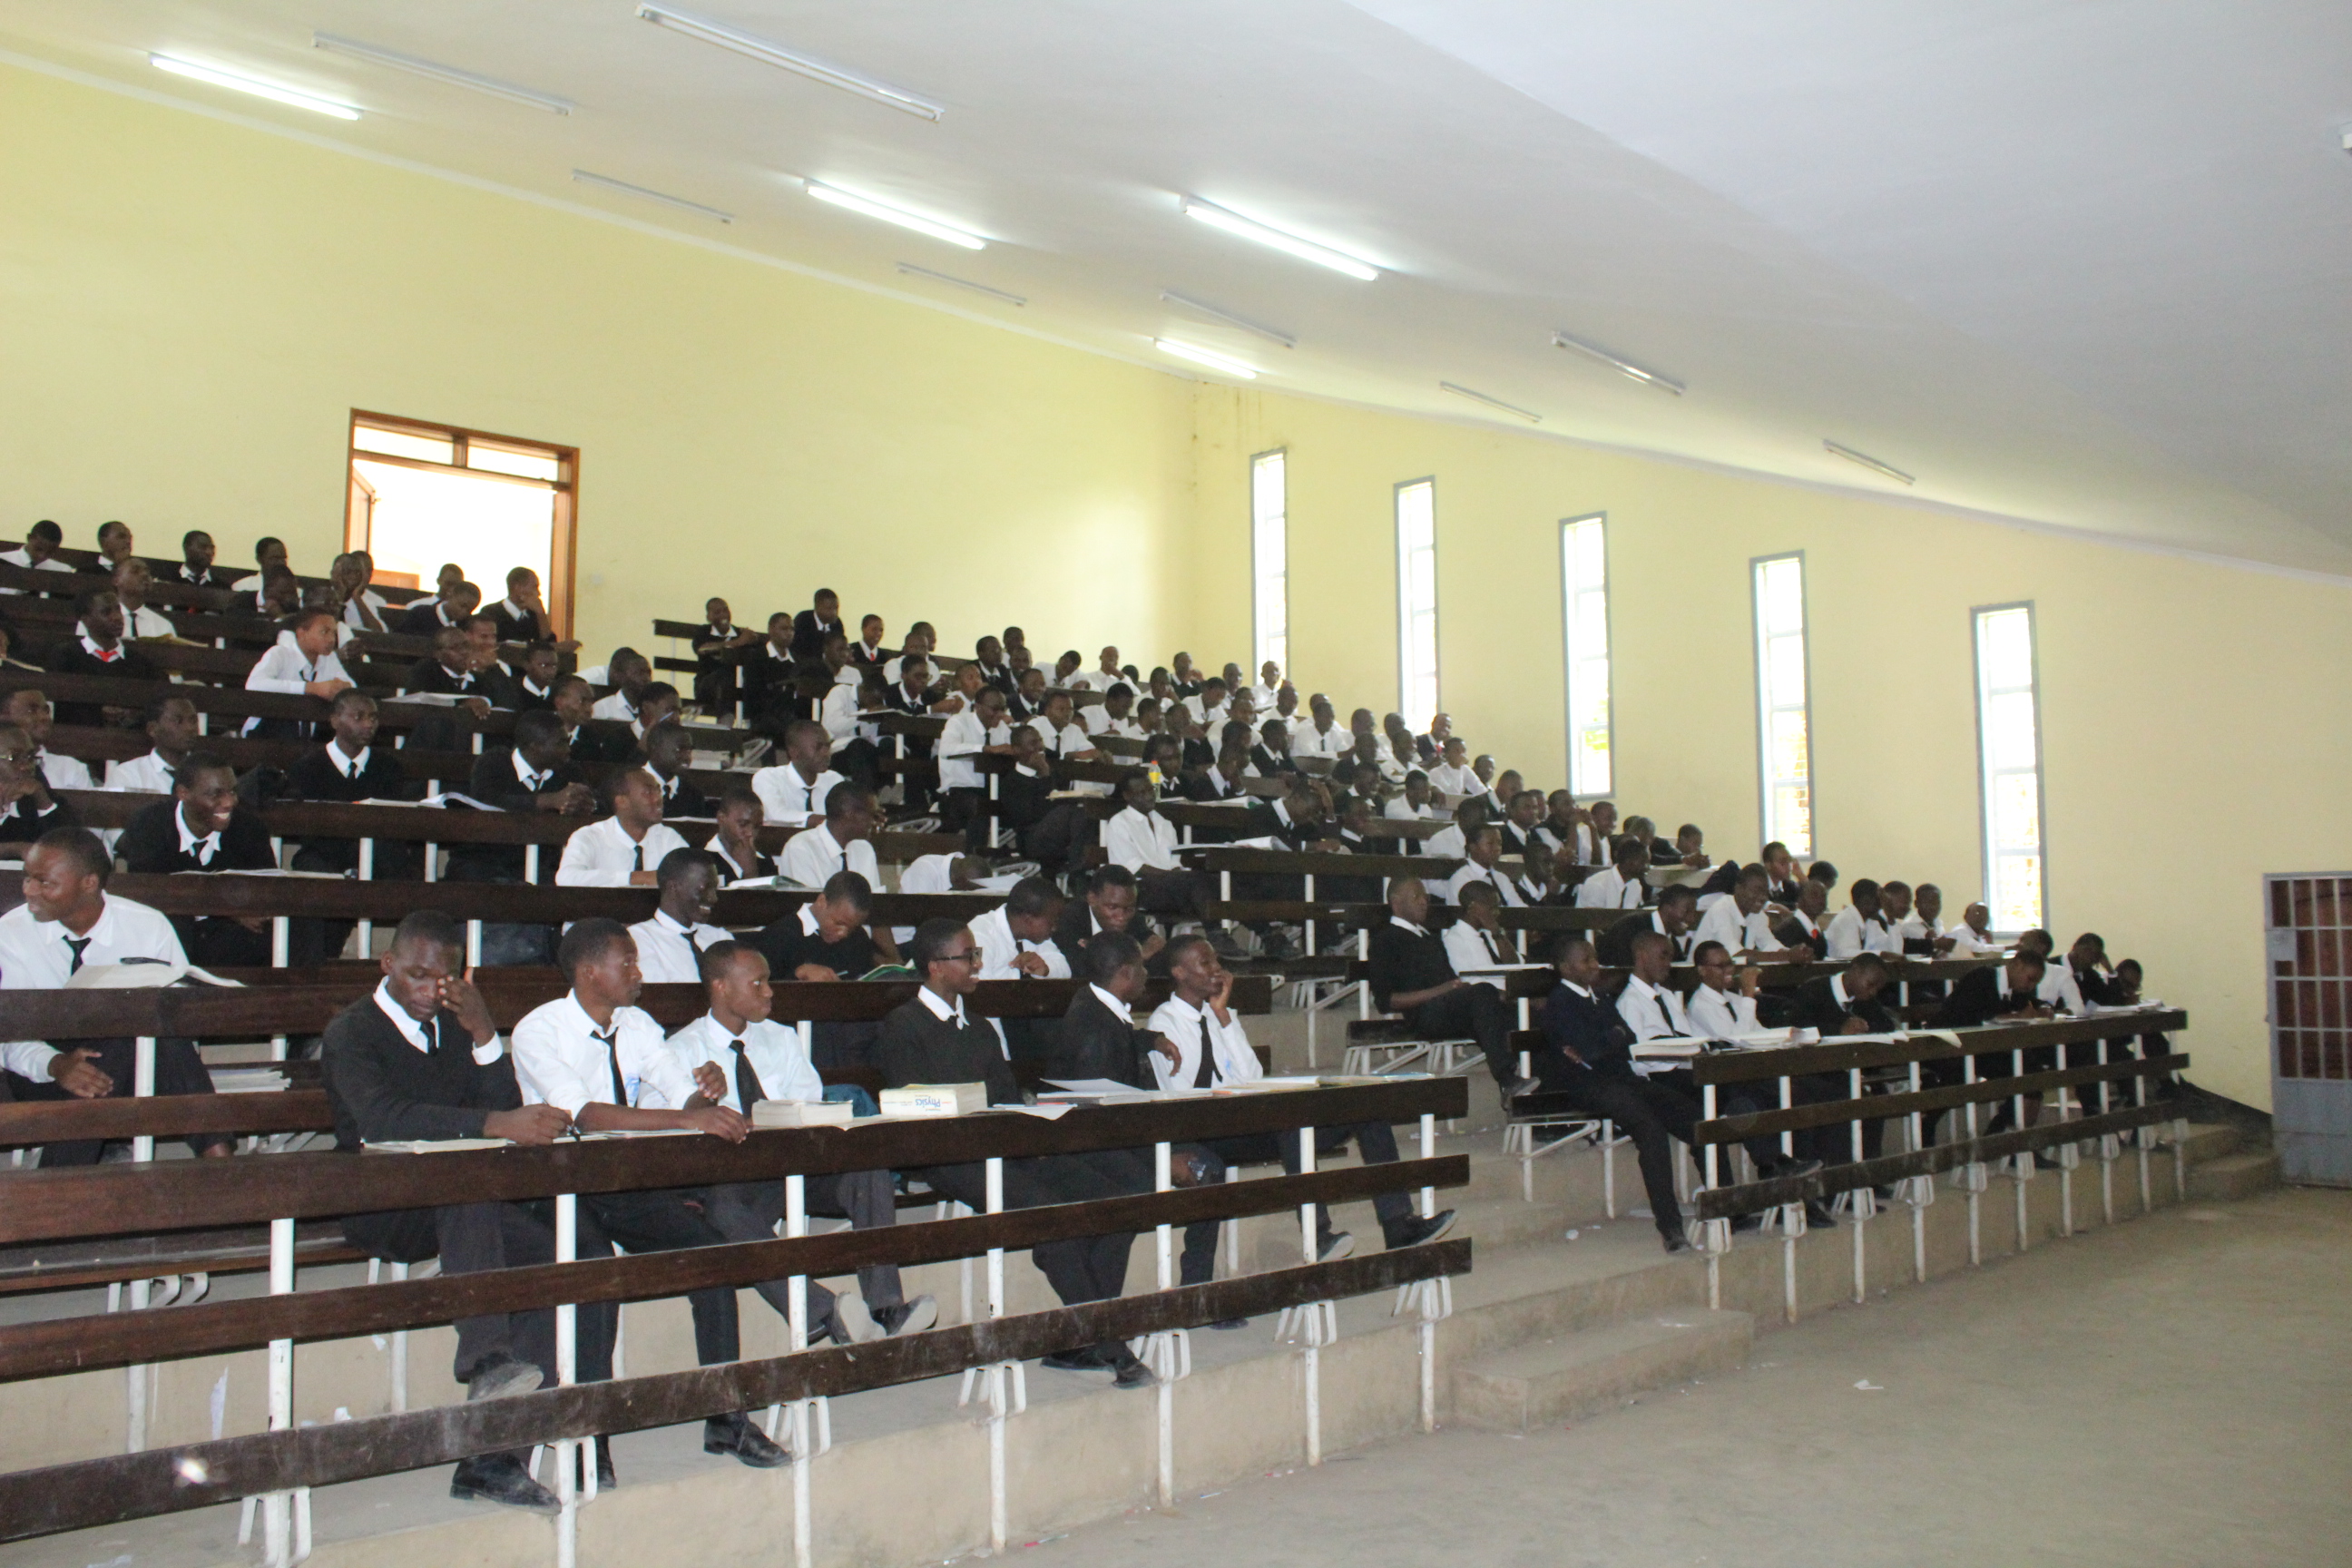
2310	954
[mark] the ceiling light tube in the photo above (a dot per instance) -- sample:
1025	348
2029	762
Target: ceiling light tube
904	219
1304	249
607	182
440	72
912	271
1867	461
1243	322
1209	357
1617	363
1527	415
760	49
269	90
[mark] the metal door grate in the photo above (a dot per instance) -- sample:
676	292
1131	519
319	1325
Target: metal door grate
2310	954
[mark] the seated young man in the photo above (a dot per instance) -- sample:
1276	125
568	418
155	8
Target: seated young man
1861	926
932	1039
667	748
812	625
302	662
2010	990
1621	886
792	793
28	807
422	1058
842	841
631	673
96	647
759	1059
670	945
1483	864
538	774
202	829
1477	940
979	730
1144	842
1802	927
172	730
595	1055
1410	974
67	922
28	708
521	616
1739	922
1212	1047
429	617
350	767
38	552
719	650
831	938
624	849
736	844
1675	915
1109	905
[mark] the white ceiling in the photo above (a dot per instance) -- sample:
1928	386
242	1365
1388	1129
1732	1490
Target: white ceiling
2078	264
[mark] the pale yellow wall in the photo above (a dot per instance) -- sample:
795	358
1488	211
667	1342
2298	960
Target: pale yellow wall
193	309
2195	730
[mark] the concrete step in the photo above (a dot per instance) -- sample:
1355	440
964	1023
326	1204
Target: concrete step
1574	1374
2211	1141
2233	1176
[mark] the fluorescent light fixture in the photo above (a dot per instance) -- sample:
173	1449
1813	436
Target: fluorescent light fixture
1527	415
1304	249
268	90
1209	357
438	72
914	271
873	208
1867	461
1243	322
760	49
1618	363
606	182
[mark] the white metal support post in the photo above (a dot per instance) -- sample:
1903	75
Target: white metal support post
1169	1353
811	1431
1002	1386
1311	1325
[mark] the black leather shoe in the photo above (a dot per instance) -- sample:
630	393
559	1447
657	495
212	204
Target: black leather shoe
1788	1170
1087	1358
501	1478
501	1377
1417	1231
1127	1371
1742	1224
908	1317
1674	1241
606	1479
1818	1216
1230	1323
736	1434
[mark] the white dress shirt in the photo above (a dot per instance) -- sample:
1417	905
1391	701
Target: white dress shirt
616	708
787	799
1468	950
285	669
1398	809
1721	1014
1849	934
838	713
202	847
1137	840
1067	742
1447	843
1447	779
414	1032
1722	922
34	957
150	774
777	1057
1968	943
814	856
1264	698
1307	740
1605	889
147	622
993	933
18	557
2058	988
68	773
374	600
667	950
558	1059
1652	1012
961	741
1231	1059
603	854
1471	871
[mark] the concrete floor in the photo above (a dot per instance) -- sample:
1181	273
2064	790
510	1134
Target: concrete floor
2175	1390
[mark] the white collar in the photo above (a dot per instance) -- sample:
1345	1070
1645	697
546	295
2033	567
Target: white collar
1119	1008
524	772
1584	991
808	920
410	1029
189	841
939	1009
664	920
97	652
1837	989
1401	921
357	762
462	677
1643	986
513	610
1186	1008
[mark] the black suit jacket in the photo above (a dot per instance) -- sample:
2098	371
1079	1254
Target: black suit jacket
1095	1042
22	823
1816	1006
604	741
1980	996
494	783
681	798
381	1088
314	776
766	686
787	947
151	843
1589	1027
1397	961
69	658
809	635
522	628
421	619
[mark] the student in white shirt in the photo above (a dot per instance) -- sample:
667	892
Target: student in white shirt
1064	740
1320	735
1723	1008
1484	857
1650	1007
1143	841
670	945
594	1054
347	580
1476	940
1859	927
1921	920
1452	843
842	842
66	922
1621	886
1973	938
302	661
626	848
793	792
38	552
1110	717
1453	776
29	711
1016	942
2058	987
980	729
1102	677
762	1060
1412	803
171	723
132	580
1738	921
631	673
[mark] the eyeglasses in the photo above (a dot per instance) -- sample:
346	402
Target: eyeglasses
970	955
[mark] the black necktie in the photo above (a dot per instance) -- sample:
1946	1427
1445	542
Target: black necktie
1488	938
637	858
611	1039
1206	1078
749	1091
76	943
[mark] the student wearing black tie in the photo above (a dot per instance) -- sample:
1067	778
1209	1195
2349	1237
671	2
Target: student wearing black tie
448	671
421	1059
1837	1004
539	776
736	844
1410	975
718	651
195	570
522	615
2005	992
932	1039
535	677
200	828
1108	907
1674	918
429	617
31	808
588	739
670	945
350	767
667	748
820	620
829	939
95	647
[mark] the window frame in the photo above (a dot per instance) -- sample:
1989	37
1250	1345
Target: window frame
1985	770
1404	603
563	544
1764	709
1258	638
1569	593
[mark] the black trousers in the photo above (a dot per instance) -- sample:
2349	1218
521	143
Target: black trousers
1479	1012
178	1070
471	1239
652	1222
1375	1142
964	810
1831	1146
1080	1268
1652	1114
748	1211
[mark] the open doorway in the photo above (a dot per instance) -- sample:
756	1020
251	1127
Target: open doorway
421	494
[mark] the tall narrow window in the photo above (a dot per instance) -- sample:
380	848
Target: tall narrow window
1416	525
1270	549
1584	588
2009	751
1783	704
